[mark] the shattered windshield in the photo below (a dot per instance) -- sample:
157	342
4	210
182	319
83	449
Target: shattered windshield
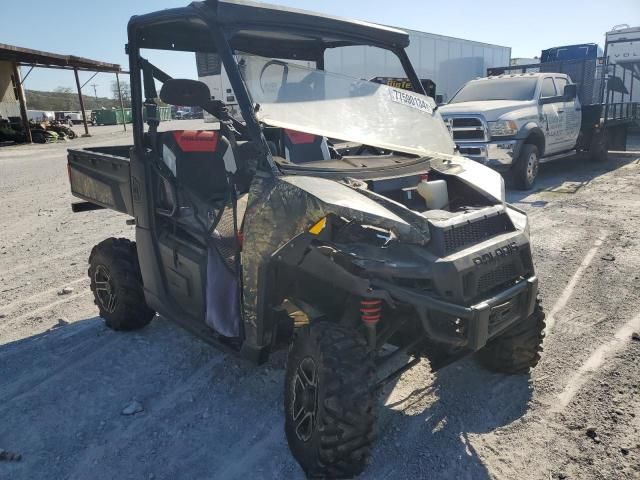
304	99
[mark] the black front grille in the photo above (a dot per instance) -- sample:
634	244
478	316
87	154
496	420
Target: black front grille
467	128
470	151
460	236
468	134
496	277
466	122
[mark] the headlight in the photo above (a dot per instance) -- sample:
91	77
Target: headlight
503	128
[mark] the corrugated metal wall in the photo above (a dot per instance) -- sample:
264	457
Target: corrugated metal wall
449	62
9	106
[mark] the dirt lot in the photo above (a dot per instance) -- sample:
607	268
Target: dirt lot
65	378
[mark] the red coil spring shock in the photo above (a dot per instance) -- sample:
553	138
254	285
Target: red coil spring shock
370	313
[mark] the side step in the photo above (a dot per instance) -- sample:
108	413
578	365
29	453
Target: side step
558	156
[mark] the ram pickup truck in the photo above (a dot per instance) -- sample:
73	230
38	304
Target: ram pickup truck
513	123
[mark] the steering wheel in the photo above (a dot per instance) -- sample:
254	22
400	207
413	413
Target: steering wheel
285	71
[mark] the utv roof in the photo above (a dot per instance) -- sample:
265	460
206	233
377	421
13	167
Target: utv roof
258	28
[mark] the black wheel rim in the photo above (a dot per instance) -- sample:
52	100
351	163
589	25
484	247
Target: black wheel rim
105	291
305	399
533	165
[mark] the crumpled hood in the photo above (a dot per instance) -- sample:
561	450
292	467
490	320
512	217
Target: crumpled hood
490	109
325	196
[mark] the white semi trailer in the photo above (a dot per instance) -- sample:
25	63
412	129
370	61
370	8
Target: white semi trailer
449	62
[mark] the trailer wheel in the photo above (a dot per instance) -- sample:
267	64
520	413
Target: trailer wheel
330	401
116	283
518	349
525	170
599	148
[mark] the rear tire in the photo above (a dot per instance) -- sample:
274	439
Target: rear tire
518	349
525	170
330	401
116	283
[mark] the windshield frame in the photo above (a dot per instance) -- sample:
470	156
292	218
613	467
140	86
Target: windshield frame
221	37
228	55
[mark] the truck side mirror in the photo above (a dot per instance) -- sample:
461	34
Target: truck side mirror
570	92
185	92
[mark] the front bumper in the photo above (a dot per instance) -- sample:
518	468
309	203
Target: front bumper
499	154
468	327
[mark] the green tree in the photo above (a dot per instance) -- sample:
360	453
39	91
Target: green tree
125	89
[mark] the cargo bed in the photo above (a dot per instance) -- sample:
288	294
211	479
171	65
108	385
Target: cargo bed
102	176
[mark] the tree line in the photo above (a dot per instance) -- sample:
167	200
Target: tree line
66	99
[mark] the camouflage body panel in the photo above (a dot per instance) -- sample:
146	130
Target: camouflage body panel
282	207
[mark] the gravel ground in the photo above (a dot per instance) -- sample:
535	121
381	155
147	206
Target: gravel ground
197	413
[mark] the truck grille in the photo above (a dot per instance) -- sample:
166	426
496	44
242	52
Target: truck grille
468	129
459	236
498	276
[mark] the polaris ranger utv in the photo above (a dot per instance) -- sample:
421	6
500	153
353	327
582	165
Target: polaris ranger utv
332	217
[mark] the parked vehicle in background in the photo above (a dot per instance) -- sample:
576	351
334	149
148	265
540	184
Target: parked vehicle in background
525	115
73	117
405	84
40	116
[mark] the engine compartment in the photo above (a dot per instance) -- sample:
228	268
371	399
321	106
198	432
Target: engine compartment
404	190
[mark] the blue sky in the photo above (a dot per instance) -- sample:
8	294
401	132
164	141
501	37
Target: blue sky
97	29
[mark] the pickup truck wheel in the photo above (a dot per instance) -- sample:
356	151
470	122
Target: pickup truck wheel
525	170
518	349
116	283
330	401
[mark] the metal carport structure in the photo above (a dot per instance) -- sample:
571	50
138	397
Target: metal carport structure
25	57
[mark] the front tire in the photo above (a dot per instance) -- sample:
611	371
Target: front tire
525	170
517	350
330	401
116	283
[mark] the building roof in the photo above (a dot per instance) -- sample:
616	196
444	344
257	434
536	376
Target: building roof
29	57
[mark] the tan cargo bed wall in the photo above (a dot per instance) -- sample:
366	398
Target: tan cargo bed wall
102	176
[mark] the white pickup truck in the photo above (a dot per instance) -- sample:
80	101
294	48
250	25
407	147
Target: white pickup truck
513	123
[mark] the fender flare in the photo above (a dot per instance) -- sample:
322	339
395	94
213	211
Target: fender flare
531	133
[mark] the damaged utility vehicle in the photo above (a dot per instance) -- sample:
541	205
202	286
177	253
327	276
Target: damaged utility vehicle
332	217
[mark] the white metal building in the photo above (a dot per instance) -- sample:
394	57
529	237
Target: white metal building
449	62
9	105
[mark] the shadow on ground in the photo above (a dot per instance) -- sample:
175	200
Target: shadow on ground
208	415
578	171
428	429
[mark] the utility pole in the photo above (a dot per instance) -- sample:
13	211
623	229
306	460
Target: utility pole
84	113
124	118
95	92
17	80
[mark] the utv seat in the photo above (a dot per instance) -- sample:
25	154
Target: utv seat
200	161
300	147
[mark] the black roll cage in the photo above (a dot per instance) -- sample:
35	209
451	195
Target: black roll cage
219	23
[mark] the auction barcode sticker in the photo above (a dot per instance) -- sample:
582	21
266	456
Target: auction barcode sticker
413	101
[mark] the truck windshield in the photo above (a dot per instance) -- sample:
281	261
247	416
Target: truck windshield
497	89
304	99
